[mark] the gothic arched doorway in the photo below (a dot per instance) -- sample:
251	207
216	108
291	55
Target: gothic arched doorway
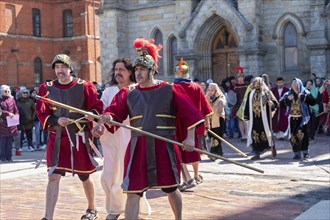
224	57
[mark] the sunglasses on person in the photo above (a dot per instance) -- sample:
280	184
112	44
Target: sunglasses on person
24	92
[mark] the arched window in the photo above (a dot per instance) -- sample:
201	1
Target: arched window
159	40
36	22
67	23
290	47
173	50
37	71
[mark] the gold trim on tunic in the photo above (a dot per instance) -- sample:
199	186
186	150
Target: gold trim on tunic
165	116
78	171
166	127
136	117
45	122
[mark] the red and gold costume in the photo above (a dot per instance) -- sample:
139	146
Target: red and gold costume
195	93
80	94
149	162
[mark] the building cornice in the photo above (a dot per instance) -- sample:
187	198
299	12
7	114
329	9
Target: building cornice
28	37
129	7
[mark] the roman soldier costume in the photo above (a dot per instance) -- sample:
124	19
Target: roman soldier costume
196	95
59	155
149	162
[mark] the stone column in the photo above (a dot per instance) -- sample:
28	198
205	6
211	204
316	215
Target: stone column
113	37
317	42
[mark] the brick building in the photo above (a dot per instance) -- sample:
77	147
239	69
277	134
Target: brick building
32	32
287	38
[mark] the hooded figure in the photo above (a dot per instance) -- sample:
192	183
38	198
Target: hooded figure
297	100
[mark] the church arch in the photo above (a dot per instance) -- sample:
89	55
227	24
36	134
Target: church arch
172	48
157	35
213	61
282	21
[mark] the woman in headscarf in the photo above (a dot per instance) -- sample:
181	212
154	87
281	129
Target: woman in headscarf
259	100
8	108
297	99
217	101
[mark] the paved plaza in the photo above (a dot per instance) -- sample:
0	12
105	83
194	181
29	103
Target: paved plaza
286	190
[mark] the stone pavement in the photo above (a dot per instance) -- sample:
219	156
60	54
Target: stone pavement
285	190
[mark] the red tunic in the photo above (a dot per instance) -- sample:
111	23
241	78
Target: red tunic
167	158
280	119
82	163
196	95
326	100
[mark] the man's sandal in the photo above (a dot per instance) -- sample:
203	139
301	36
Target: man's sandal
90	215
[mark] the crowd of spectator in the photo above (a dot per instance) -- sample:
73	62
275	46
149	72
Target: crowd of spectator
21	101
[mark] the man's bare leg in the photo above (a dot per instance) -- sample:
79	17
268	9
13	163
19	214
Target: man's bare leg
242	128
89	192
176	203
52	194
132	206
195	168
185	173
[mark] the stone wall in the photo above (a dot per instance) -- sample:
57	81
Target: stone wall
258	25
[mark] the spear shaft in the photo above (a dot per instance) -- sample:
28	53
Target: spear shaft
59	104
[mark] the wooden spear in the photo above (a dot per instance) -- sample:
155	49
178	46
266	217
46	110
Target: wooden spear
226	142
59	104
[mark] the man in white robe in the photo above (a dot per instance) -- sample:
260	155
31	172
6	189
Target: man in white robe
114	146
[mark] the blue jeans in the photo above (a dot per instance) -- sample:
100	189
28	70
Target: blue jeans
6	144
44	135
233	124
37	131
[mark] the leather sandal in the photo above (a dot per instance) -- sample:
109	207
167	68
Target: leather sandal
90	215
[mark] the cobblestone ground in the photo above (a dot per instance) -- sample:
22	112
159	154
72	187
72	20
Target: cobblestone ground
286	189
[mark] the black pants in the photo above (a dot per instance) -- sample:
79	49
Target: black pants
312	125
28	133
217	148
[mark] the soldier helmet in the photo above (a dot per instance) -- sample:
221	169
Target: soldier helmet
148	53
182	69
62	58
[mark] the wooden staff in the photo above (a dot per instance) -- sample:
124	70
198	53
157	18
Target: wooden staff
59	104
324	112
226	142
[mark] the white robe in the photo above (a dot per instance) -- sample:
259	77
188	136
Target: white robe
114	148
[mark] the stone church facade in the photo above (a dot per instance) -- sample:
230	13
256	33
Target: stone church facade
288	38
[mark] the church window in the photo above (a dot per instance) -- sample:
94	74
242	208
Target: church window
37	71
67	23
159	40
173	51
290	47
36	22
